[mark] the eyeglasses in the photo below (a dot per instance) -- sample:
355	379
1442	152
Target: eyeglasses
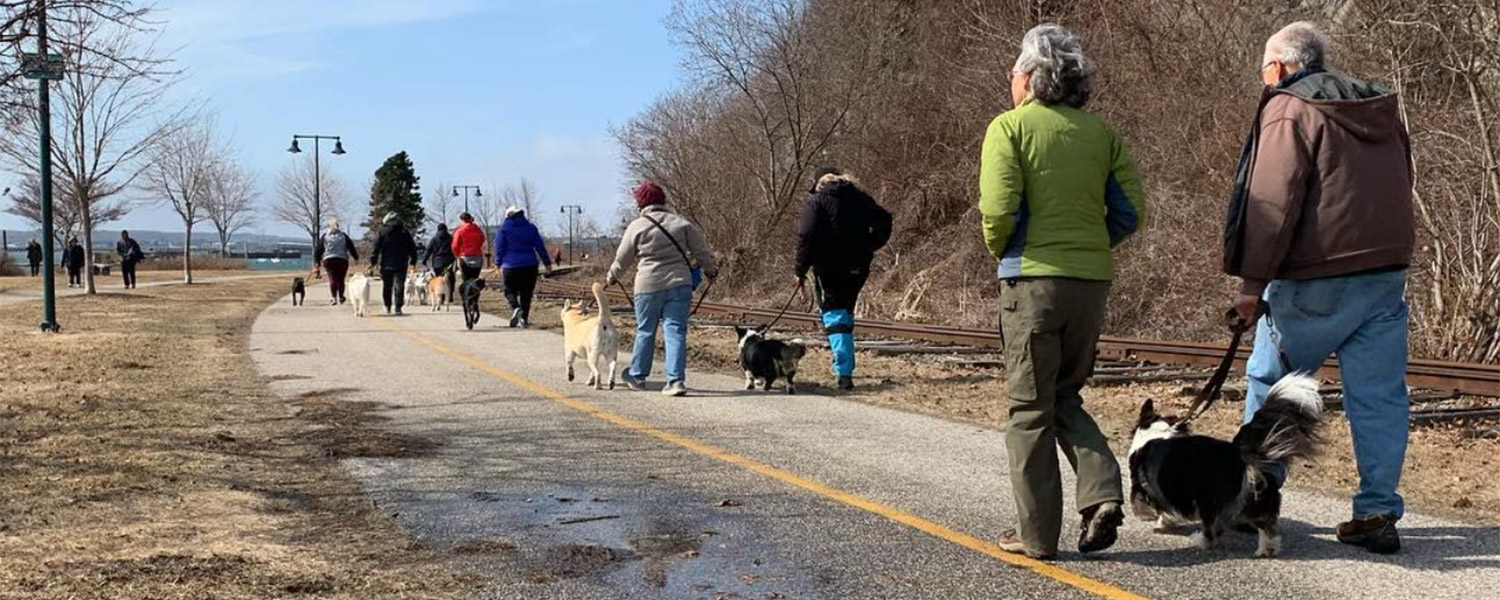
1268	65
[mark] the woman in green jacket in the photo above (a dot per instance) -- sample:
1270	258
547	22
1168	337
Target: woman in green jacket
1058	191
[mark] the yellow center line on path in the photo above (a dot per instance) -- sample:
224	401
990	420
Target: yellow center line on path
943	532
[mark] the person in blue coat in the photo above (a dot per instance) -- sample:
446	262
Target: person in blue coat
520	254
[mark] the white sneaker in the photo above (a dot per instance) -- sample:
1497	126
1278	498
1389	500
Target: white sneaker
675	389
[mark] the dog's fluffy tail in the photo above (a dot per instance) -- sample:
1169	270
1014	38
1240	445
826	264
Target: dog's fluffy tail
606	318
1286	426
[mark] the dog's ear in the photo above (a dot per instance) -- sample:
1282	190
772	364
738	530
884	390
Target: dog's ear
1148	414
739	332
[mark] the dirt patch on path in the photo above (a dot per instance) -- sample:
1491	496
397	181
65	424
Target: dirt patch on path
1449	471
142	457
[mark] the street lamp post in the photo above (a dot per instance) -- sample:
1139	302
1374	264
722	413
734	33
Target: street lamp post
478	193
45	67
338	150
571	210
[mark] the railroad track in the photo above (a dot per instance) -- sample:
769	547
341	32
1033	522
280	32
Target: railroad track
1462	378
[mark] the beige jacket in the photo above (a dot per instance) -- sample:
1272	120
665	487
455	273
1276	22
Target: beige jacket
659	265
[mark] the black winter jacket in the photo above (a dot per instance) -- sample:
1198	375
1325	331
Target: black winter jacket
129	251
394	249
34	253
842	229
439	254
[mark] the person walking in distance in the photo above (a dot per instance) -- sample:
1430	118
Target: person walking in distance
439	255
1321	229
842	228
73	259
34	257
662	245
334	252
130	256
1058	191
468	247
395	252
520	252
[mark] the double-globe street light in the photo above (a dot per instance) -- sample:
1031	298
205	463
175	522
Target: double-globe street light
338	150
467	188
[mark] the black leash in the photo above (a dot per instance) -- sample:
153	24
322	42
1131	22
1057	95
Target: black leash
701	298
1214	388
764	329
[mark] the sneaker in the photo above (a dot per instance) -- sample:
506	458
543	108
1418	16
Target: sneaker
632	382
515	317
333	302
1010	541
846	383
398	312
525	324
1376	534
675	389
1101	527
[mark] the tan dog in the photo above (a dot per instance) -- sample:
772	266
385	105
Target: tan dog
437	292
593	339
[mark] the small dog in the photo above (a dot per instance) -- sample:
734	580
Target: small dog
768	360
1180	477
437	292
299	291
359	293
470	292
411	289
593	339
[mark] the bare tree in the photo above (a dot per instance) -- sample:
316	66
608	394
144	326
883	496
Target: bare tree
180	173
230	204
488	210
440	205
111	108
26	203
295	202
18	22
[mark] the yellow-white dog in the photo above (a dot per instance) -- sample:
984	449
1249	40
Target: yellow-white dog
593	339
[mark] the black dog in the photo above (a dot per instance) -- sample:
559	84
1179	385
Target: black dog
299	291
1179	477
768	360
469	292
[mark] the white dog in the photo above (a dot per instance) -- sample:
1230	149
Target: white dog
411	289
421	284
359	293
593	339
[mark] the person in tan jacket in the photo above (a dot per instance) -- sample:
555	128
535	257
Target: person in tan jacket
1320	228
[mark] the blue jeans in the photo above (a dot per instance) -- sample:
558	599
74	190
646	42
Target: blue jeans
1362	319
669	309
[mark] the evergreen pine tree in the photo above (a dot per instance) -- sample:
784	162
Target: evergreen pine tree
396	190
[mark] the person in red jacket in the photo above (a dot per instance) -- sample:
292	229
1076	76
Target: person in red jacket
468	247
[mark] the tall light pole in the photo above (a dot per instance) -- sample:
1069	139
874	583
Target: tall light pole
338	150
571	210
478	193
45	67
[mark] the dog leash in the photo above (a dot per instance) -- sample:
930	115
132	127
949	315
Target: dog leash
764	329
1214	388
701	298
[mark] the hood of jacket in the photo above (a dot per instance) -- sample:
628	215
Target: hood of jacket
1366	110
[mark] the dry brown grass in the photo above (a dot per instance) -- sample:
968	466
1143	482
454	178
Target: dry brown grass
1449	471
143	457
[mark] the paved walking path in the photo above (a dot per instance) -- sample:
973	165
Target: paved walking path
552	490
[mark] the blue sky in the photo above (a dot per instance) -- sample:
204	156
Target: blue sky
477	91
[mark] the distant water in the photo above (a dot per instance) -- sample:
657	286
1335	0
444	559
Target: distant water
281	264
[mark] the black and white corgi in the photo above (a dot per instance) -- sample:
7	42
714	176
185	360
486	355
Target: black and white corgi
299	291
1178	477
768	360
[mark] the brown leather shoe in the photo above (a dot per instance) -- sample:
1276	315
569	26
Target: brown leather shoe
1010	541
1376	534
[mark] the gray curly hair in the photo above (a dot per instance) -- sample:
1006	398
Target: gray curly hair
1053	57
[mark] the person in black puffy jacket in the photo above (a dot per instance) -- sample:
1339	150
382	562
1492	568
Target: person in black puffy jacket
395	252
842	229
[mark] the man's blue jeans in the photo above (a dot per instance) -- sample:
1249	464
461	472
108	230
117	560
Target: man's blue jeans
1362	319
668	309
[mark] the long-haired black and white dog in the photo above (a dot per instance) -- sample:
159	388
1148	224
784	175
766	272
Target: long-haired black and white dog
768	360
1178	477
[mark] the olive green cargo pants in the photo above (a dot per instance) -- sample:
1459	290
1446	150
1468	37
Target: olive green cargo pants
1051	328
